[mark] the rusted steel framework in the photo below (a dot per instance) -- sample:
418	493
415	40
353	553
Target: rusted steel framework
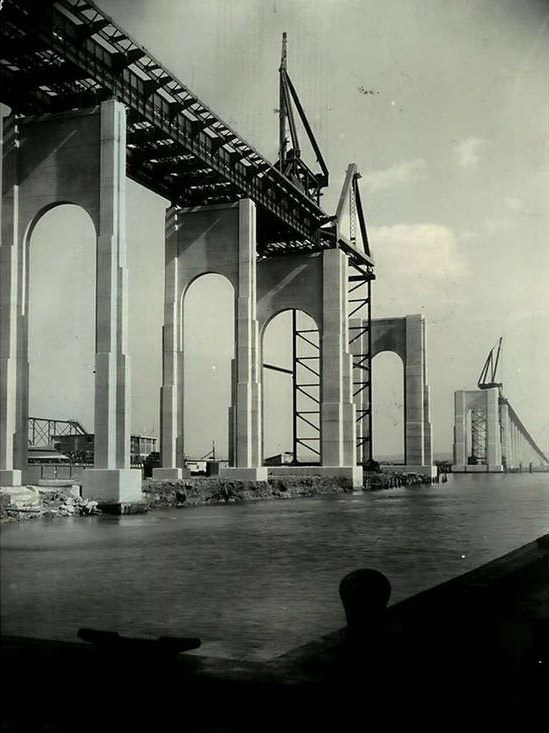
60	55
41	430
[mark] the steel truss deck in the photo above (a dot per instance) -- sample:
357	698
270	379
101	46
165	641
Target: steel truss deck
67	54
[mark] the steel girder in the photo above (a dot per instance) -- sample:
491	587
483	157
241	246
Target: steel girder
68	54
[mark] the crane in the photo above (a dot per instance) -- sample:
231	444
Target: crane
487	378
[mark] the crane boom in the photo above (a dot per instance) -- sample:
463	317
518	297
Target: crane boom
487	378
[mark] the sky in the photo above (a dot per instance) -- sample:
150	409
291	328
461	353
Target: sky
453	147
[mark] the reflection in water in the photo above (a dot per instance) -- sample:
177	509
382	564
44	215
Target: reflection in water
256	580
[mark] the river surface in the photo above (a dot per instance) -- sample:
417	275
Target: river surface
256	580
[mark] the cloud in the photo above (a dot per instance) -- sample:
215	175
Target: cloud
421	249
467	152
418	266
408	171
496	224
513	203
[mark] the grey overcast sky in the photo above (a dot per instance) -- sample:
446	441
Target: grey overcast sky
454	150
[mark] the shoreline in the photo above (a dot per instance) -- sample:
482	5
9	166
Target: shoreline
63	499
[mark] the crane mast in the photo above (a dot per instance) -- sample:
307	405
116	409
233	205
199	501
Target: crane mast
487	378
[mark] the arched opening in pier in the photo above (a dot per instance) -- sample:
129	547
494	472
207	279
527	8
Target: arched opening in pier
61	318
291	388
208	348
388	407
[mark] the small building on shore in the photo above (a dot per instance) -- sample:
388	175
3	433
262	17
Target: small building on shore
280	459
81	447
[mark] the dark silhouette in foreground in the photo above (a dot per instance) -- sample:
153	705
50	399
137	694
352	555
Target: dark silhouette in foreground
470	654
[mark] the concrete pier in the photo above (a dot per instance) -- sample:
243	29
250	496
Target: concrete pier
80	158
485	421
405	336
222	239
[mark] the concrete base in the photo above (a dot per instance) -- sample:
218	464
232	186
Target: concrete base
426	470
10	477
112	486
348	476
20	497
170	474
479	468
232	473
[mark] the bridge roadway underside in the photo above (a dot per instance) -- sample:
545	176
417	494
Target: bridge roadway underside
68	55
489	435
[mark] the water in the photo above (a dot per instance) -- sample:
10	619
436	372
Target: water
256	580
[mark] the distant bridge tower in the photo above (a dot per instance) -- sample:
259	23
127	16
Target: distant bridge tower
488	434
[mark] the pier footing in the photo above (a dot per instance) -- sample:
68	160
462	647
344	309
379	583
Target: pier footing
10	477
112	487
243	474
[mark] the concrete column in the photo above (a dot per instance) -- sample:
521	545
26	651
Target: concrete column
521	445
348	407
338	442
247	389
413	392
246	412
171	392
518	457
11	286
427	431
332	361
111	481
506	457
513	441
493	439
460	431
231	417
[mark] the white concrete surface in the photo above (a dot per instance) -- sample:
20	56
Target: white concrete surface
112	486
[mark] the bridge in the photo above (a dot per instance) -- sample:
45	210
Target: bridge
488	433
89	107
69	55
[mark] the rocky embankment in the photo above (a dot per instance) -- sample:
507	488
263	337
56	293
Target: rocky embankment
200	491
31	502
